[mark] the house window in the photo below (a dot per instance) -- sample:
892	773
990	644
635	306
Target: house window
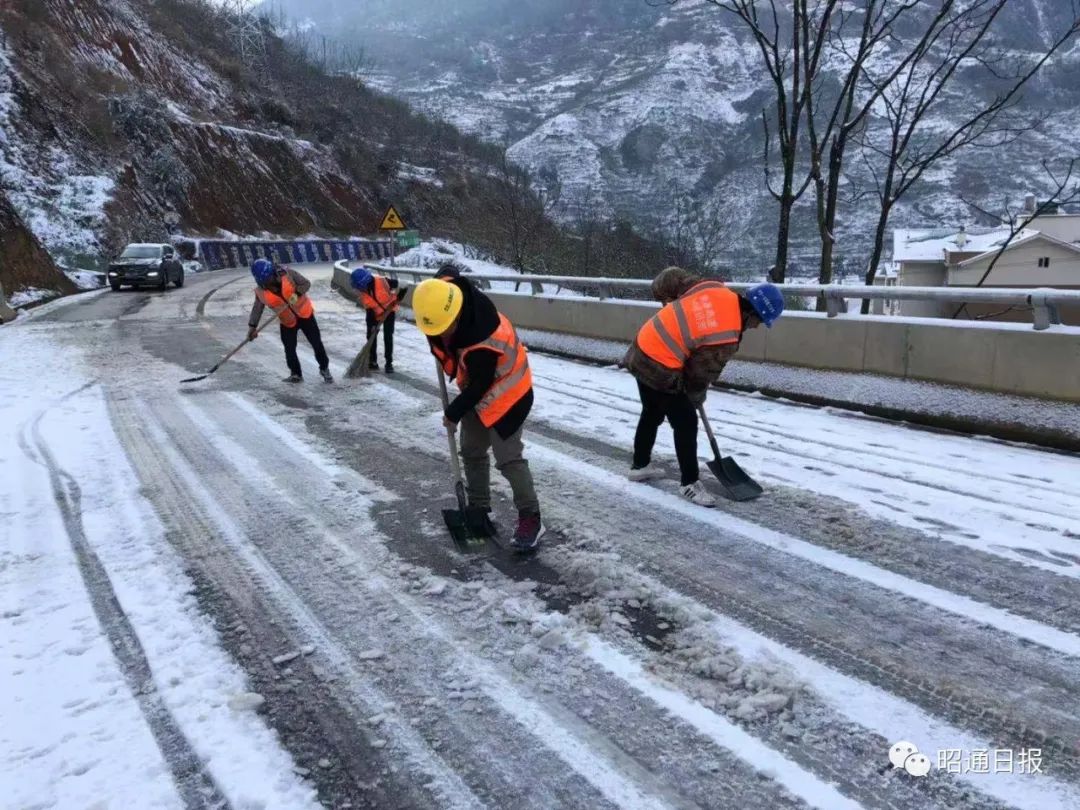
1044	261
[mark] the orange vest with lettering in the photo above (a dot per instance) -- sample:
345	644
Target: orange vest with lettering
383	302
513	378
280	303
705	315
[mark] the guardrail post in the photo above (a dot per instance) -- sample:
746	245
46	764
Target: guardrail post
834	304
537	288
1044	311
605	291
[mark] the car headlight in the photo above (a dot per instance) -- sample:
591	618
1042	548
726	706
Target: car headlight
113	273
152	273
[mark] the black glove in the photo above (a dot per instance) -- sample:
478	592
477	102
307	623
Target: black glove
401	293
697	397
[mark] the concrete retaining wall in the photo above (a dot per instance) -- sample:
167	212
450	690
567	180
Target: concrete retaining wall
7	314
1009	358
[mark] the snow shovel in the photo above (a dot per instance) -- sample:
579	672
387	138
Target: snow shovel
221	362
738	486
469	526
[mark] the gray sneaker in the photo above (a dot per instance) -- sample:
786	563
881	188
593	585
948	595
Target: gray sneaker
293	378
646	473
326	375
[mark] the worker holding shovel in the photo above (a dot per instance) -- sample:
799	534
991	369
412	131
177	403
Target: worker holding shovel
477	346
380	297
676	356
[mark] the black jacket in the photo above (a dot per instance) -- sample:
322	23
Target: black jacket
479	319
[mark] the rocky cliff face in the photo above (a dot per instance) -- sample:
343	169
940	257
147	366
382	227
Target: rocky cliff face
24	263
628	103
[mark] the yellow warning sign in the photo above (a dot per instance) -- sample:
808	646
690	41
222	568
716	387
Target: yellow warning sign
392	221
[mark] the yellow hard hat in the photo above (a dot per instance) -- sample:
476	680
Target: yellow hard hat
436	303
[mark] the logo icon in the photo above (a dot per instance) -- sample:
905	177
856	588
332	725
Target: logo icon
906	755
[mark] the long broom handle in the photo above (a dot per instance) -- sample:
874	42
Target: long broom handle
242	344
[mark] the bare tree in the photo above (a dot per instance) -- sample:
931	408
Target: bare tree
696	229
858	37
522	207
351	58
791	38
898	154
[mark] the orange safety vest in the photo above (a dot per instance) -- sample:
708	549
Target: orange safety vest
513	378
280	303
384	301
705	315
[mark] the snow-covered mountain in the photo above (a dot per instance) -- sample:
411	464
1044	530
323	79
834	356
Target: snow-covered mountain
132	120
632	104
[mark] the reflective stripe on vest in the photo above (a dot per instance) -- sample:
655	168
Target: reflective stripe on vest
513	378
707	314
384	301
280	303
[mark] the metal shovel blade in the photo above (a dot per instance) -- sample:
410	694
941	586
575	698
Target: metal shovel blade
458	525
737	485
479	522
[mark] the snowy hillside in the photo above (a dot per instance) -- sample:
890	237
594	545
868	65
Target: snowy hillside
630	102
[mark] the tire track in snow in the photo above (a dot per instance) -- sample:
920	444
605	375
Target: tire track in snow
322	716
927	692
1037	632
616	777
194	782
357	686
720	731
601	778
711	724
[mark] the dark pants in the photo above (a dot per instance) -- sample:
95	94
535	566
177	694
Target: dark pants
509	459
681	413
388	336
310	328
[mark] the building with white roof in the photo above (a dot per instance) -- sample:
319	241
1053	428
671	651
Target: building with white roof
1044	254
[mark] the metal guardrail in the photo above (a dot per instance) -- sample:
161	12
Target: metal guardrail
1044	301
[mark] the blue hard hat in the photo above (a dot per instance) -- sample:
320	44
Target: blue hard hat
767	301
360	278
263	270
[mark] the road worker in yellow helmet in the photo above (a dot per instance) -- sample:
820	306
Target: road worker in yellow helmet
437	304
477	346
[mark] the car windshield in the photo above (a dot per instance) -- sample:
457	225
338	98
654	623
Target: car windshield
140	252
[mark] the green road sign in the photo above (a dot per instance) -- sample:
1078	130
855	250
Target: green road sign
408	239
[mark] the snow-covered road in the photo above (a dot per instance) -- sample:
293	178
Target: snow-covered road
239	593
